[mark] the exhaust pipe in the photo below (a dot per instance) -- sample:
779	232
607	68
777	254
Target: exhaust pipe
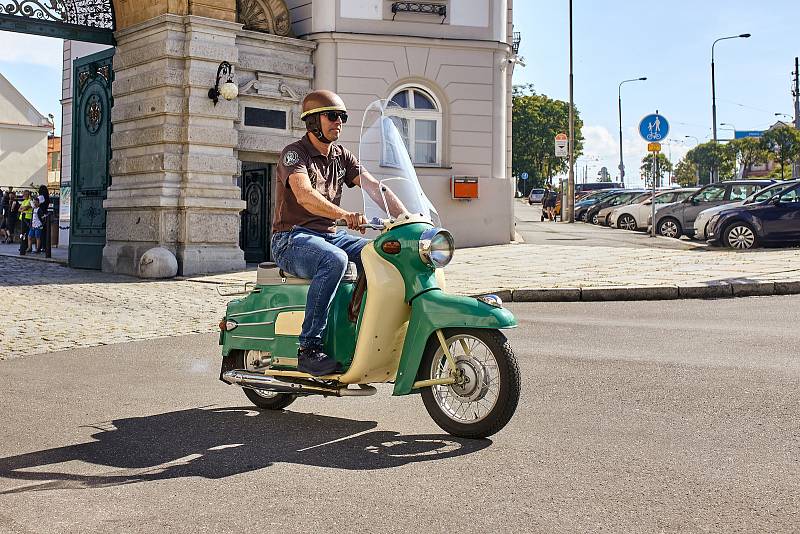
246	379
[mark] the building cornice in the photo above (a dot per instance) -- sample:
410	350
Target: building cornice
16	126
351	37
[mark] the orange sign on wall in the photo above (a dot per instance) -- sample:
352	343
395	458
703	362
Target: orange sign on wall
464	187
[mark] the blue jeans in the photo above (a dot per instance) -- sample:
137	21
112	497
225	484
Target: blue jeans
323	258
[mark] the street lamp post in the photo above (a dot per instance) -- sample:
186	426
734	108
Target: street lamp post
571	176
619	98
714	90
731	125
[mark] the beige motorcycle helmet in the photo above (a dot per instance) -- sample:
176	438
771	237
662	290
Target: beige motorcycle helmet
322	101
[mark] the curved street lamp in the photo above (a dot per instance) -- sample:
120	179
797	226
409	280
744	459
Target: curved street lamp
713	87
619	97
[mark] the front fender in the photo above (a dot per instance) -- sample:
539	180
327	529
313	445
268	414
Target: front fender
434	310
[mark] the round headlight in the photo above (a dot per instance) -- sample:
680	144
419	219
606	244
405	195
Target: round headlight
436	247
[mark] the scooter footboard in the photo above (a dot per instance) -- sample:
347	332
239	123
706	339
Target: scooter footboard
434	310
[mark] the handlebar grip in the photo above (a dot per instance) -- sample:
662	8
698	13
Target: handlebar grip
340	222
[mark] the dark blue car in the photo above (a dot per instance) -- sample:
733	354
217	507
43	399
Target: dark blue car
775	220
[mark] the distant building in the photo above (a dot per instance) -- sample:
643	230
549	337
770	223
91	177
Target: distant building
53	163
23	139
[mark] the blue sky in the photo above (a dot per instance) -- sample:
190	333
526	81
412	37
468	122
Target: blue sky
670	43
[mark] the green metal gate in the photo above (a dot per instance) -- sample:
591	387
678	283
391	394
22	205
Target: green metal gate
256	218
91	152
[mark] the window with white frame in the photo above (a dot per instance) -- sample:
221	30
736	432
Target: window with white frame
420	123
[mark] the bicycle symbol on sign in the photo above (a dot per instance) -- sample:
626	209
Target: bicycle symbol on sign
654	129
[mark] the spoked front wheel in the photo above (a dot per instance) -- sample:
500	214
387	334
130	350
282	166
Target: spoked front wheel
486	392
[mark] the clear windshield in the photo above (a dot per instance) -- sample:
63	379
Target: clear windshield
383	154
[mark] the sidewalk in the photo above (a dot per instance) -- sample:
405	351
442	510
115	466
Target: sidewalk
57	255
525	273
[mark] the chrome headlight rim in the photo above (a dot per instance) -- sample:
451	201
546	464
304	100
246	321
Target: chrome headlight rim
426	247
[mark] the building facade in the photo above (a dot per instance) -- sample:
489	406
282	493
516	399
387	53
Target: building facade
23	139
197	176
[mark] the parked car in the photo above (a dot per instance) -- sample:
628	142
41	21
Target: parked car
590	200
604	215
773	220
536	196
616	199
678	219
634	216
701	222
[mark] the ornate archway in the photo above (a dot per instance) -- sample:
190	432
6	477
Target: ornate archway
81	20
268	16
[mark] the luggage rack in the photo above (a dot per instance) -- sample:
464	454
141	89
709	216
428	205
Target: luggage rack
231	290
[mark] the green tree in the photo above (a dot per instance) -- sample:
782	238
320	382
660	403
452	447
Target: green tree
784	142
685	173
536	120
663	166
710	156
748	151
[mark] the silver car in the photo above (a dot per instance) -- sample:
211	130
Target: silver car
635	216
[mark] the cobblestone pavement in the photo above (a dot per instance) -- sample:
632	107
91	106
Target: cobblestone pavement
50	307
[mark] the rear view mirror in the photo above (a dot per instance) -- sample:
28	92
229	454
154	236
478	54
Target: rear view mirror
776	200
694	201
647	202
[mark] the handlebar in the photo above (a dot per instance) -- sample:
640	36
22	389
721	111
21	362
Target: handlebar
374	224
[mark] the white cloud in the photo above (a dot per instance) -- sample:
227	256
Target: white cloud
31	49
601	149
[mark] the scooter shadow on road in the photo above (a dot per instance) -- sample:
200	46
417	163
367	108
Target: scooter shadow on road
219	442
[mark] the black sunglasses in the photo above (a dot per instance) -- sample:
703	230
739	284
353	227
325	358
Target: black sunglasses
333	115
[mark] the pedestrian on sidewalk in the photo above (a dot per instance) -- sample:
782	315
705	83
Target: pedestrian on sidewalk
35	232
550	203
25	216
4	208
11	217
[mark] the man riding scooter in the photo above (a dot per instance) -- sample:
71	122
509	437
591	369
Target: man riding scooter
305	241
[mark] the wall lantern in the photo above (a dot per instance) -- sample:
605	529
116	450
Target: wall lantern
229	89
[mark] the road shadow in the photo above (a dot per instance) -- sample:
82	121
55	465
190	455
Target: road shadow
219	442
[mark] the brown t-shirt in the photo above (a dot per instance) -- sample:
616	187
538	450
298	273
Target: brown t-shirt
327	173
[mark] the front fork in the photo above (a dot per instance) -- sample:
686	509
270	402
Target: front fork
455	373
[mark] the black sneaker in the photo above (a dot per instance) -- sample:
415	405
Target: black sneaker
315	362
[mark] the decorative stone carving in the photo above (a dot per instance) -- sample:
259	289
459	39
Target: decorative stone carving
273	86
268	16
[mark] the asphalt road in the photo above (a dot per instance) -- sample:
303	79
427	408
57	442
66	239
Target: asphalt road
535	231
635	417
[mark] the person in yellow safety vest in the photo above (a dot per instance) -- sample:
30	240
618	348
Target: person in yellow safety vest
25	217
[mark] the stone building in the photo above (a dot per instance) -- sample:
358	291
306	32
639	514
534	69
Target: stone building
196	176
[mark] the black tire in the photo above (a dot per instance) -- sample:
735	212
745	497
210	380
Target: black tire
265	400
507	389
627	222
595	219
670	227
582	216
740	235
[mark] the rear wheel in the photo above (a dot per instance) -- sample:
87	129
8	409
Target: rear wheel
627	222
266	400
740	235
669	227
595	219
486	395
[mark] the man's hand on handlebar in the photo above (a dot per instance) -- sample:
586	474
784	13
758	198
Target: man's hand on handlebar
355	221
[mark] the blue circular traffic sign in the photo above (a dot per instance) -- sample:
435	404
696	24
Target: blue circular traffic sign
654	128
524	175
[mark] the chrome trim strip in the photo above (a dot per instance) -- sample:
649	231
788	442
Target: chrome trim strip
257	324
298	307
253	337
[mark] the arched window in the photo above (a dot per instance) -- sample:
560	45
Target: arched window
420	124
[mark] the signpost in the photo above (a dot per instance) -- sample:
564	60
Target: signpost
654	128
524	176
741	134
562	146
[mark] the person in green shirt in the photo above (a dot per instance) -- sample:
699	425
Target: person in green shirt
25	217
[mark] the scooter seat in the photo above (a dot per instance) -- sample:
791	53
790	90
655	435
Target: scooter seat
270	274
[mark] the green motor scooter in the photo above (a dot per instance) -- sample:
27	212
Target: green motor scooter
392	323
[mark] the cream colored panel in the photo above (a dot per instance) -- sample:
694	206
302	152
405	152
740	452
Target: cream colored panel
361	9
386	314
469	13
289	323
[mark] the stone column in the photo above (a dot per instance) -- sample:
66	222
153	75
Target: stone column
173	161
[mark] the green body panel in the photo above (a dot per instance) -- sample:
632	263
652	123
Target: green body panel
417	276
434	310
263	306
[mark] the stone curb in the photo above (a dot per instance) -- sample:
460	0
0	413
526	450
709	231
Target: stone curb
710	290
